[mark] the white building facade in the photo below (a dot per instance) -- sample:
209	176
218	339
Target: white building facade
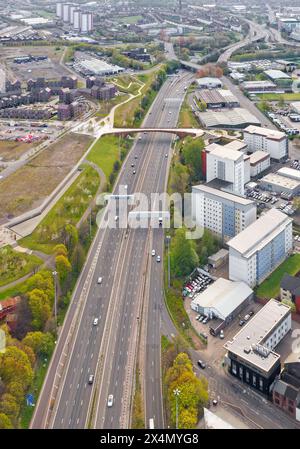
260	248
223	213
227	166
262	139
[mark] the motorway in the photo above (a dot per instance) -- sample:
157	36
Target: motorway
121	258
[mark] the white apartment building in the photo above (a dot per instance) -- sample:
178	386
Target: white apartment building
227	165
77	19
260	248
66	12
273	142
223	213
59	9
259	162
86	22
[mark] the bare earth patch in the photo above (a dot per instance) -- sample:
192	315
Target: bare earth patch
31	184
11	150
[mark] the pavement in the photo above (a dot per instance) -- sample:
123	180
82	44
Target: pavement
109	350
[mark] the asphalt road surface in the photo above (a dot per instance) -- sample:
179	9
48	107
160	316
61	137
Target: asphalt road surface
120	257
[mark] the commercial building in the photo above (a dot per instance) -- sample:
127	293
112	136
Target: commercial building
218	98
290	290
250	354
93	66
289	173
273	142
277	183
227	165
280	78
256	251
259	162
259	87
223	213
219	258
209	83
237	118
222	300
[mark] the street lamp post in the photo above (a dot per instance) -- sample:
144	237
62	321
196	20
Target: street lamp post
54	273
176	394
169	267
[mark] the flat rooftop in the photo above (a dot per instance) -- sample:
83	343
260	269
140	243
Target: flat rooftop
217	96
258	156
265	132
248	343
226	153
281	181
259	233
289	173
207	188
276	74
224	296
234	118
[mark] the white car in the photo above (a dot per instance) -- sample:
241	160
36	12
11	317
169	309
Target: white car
158	259
110	400
222	335
99	281
96	321
153	252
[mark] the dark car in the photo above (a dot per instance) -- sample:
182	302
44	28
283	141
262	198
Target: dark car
251	313
201	364
242	322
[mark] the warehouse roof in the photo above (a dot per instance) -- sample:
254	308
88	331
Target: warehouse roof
269	133
259	233
237	117
226	195
217	96
276	74
289	173
224	296
281	181
248	342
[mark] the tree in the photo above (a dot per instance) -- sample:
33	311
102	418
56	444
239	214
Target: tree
264	106
41	343
179	179
192	156
5	422
60	250
40	307
16	389
193	392
15	366
42	280
24	319
63	267
9	406
290	303
183	255
70	236
78	258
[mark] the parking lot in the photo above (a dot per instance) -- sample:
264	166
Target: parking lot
282	202
199	282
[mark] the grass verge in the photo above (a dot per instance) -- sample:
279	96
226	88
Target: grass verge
14	265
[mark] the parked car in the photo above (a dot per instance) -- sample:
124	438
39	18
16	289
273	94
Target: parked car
222	335
242	322
246	317
201	364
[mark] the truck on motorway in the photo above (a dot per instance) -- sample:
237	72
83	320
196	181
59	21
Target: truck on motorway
151	423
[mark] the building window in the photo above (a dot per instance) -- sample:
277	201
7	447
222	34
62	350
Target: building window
261	384
247	376
233	368
254	380
241	372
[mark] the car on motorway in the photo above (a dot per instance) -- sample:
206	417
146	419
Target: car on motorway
110	400
166	155
158	259
135	157
201	364
116	218
140	138
99	280
134	172
242	322
91	379
132	164
153	252
95	322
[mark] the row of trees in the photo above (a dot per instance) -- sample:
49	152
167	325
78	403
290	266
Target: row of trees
17	371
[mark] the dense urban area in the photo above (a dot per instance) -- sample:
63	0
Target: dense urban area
150	214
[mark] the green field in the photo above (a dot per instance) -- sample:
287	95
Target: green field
270	288
131	19
69	209
278	97
105	153
14	265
